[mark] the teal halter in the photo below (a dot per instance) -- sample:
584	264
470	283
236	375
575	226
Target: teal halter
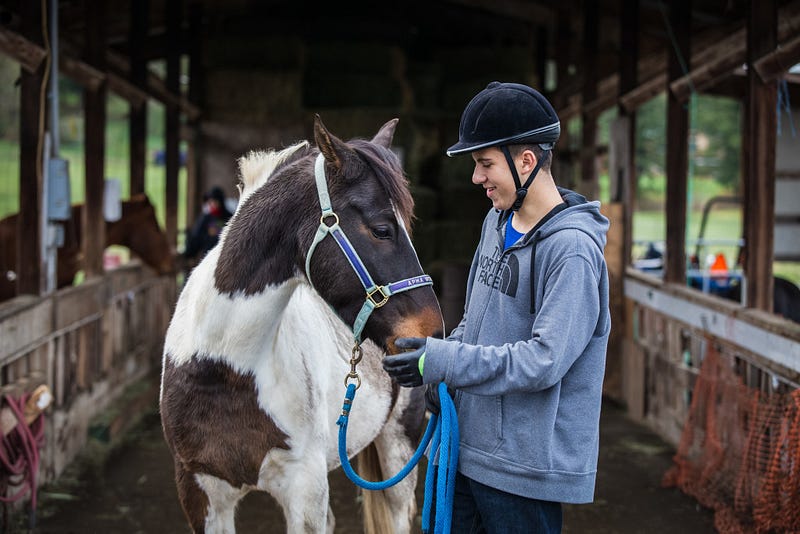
377	295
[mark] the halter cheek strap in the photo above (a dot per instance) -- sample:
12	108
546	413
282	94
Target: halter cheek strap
377	295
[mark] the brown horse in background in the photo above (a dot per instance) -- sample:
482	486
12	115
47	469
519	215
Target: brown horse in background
137	229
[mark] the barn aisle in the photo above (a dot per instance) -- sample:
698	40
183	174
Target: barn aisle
132	491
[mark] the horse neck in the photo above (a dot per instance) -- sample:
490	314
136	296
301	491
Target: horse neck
260	248
207	321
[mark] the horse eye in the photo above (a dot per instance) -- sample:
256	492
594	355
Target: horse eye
382	232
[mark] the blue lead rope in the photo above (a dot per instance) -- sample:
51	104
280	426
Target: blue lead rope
442	434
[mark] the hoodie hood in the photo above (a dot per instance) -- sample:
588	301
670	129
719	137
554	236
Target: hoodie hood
580	214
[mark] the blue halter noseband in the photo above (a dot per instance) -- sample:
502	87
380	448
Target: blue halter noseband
377	295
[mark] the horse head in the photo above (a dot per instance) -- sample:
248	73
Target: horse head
138	229
270	238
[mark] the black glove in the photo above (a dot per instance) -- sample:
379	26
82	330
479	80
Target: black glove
432	401
404	367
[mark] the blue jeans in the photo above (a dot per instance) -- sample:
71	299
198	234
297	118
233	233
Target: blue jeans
480	509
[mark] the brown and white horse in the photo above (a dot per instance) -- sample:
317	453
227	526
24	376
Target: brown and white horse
136	229
256	356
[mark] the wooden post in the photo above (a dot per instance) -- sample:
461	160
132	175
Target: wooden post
677	144
31	143
194	158
620	209
759	178
629	61
589	67
172	130
139	11
93	225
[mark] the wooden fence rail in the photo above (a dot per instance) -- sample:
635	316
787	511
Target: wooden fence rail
88	343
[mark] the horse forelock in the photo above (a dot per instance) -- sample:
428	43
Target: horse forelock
389	173
256	168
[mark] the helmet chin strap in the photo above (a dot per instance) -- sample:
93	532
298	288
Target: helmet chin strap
522	190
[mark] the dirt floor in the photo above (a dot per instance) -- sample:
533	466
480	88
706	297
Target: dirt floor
131	490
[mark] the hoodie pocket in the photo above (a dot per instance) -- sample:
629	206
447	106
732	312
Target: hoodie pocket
480	421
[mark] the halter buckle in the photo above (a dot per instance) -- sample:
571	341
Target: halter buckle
380	303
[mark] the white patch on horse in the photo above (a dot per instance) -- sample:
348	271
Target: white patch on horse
257	166
294	374
222	499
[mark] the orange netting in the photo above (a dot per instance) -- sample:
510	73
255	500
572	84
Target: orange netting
740	452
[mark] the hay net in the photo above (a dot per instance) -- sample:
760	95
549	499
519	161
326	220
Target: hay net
739	453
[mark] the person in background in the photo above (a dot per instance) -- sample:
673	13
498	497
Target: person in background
526	362
204	234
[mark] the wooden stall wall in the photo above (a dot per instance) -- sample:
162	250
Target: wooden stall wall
89	344
669	331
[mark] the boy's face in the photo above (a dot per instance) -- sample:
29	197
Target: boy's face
492	173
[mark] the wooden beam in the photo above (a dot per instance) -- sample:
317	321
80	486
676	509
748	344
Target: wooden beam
716	62
677	145
29	258
137	128
94	106
172	118
129	92
776	63
643	92
589	67
24	51
86	75
759	180
195	169
155	86
81	72
628	79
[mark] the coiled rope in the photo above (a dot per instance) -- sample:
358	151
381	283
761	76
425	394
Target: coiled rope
442	435
19	456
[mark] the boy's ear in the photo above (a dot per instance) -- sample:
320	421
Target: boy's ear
528	161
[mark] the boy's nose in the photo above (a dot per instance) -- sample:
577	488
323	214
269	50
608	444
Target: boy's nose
477	176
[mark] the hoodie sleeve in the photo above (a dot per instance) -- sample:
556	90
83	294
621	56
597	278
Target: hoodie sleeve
563	328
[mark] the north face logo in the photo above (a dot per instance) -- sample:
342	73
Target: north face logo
502	275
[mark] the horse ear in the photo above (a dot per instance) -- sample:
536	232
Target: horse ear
332	148
386	134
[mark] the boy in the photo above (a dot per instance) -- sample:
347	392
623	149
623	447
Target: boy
527	359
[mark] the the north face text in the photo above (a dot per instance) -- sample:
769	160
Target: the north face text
498	272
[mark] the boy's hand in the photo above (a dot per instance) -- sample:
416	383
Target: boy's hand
432	401
404	368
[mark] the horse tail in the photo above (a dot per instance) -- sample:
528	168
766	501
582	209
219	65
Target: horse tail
375	506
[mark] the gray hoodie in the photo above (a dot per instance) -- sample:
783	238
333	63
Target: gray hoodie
529	383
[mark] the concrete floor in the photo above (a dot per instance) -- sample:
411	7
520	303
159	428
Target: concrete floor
131	490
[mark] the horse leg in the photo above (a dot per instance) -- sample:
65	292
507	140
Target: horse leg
395	445
194	500
208	502
300	486
222	501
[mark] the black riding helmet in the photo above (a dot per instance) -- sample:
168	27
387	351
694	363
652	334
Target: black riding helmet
508	114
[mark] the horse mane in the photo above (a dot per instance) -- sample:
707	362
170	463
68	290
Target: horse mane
386	166
258	166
